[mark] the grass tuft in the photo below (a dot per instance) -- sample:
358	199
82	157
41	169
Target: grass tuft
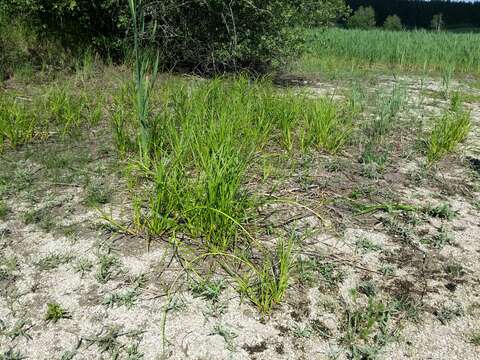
447	133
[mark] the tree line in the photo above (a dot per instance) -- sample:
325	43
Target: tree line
419	13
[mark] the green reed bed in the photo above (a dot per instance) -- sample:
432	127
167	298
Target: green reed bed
418	51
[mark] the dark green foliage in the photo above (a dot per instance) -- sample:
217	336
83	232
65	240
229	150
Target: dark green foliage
362	18
393	23
323	12
76	22
201	35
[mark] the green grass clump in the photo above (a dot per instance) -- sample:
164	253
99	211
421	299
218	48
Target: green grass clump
3	210
17	123
145	75
375	150
206	137
327	128
67	111
447	133
204	147
60	112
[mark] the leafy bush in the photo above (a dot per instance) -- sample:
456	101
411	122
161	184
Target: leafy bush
362	18
213	35
393	23
323	12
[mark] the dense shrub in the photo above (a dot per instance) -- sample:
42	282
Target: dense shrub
362	18
217	35
208	35
393	23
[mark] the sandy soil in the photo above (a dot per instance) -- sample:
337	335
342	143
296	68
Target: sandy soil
114	288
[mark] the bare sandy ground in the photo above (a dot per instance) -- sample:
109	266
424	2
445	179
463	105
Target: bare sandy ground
114	289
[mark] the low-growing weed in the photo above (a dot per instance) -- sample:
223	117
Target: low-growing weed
133	352
454	269
56	312
441	211
365	246
127	299
446	313
367	329
209	290
108	267
440	239
21	328
8	266
227	334
98	194
41	217
108	340
53	261
11	354
306	270
387	270
82	266
302	331
367	288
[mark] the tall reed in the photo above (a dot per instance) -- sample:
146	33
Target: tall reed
145	76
